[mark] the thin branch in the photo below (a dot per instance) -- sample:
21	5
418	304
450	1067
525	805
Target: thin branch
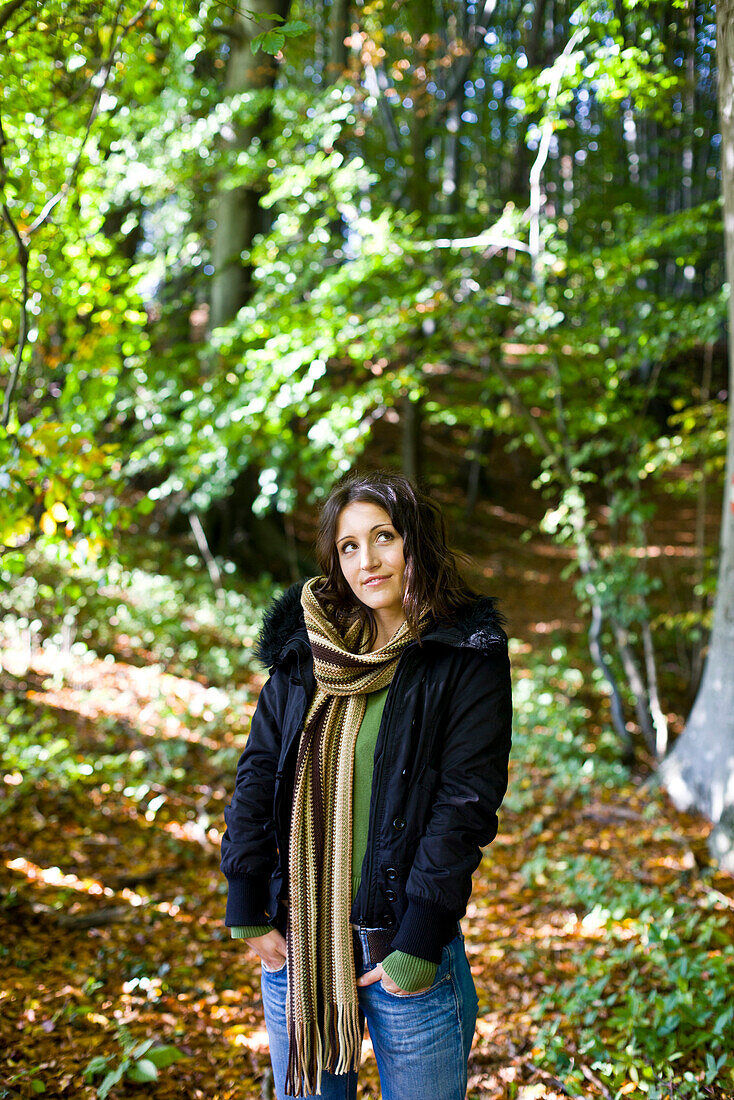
97	918
556	1082
488	238
8	10
22	239
105	69
636	682
533	423
19	27
602	663
561	422
659	741
23	327
587	564
595	1081
127	879
536	171
22	250
372	84
209	559
587	560
659	720
636	430
75	96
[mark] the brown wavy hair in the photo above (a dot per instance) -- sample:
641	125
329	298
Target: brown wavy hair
432	575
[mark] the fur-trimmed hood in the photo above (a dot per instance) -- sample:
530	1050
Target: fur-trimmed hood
476	627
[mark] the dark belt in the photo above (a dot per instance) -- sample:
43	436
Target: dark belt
379	942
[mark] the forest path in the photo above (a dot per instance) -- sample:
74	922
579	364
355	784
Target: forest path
132	850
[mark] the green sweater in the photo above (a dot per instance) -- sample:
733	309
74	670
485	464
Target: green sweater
407	971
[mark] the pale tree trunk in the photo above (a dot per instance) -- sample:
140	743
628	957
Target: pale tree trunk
237	211
699	772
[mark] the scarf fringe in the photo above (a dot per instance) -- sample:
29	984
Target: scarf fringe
338	1052
305	1059
349	1040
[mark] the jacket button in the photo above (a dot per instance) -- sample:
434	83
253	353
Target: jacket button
391	895
391	873
398	823
388	920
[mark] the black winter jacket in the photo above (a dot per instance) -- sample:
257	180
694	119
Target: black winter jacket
439	778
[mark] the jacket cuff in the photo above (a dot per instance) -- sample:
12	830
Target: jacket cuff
249	931
246	901
425	930
409	972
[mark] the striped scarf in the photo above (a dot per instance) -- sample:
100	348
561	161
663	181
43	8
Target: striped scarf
322	1004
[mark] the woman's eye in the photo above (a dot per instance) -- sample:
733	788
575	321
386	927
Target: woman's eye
349	545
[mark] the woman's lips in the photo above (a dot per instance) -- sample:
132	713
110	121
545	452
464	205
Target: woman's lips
374	581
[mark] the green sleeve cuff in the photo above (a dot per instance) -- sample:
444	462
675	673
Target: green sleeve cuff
249	931
408	971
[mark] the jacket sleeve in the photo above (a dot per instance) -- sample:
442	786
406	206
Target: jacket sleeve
471	784
249	850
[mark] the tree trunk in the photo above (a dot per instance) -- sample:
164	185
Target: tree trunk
237	210
338	31
699	772
451	181
536	46
231	528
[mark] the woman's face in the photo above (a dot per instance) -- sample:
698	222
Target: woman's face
371	555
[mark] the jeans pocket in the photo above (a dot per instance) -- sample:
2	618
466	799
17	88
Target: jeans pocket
270	970
443	973
439	978
405	995
404	992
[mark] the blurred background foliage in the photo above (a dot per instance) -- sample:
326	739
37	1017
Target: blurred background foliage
495	226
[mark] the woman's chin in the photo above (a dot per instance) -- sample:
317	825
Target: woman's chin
381	601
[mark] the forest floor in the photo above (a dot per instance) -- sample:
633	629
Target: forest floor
113	901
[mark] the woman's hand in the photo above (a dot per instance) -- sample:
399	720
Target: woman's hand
377	974
270	948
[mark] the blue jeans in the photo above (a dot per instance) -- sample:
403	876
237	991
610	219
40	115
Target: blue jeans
421	1040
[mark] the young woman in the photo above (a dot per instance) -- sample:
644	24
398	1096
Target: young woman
375	765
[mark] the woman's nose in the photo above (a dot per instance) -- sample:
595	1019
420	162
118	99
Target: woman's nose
369	556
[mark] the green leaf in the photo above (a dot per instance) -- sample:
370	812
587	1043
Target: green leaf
271	41
141	1048
37	1086
142	1071
722	1020
293	28
165	1055
97	1065
112	1078
261	15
